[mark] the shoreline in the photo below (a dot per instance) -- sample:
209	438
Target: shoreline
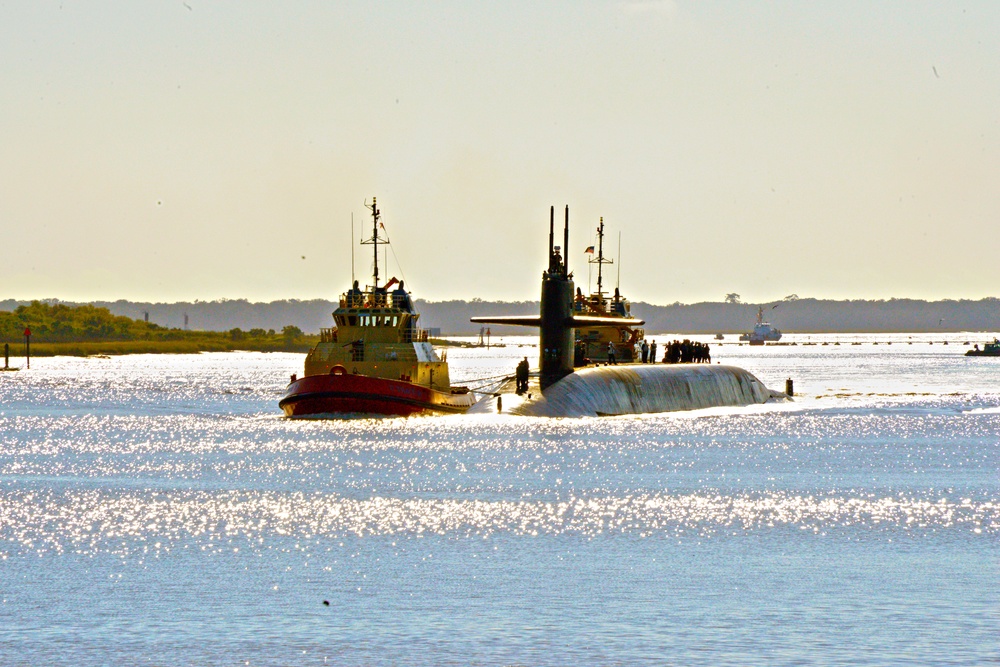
119	348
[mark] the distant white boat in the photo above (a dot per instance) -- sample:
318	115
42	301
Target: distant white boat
762	331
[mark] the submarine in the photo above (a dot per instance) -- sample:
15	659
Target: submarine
609	390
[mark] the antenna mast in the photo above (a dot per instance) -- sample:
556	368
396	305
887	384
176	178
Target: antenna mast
600	261
375	239
618	282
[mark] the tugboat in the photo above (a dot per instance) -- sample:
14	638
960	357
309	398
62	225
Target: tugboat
762	331
989	350
375	360
592	342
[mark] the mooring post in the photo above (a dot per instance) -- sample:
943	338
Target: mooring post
27	347
789	387
6	356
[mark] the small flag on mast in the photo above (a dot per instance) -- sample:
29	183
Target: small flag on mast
589	250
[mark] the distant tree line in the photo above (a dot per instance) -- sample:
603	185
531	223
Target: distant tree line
61	323
791	314
805	315
75	323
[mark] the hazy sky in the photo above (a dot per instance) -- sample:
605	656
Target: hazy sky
198	150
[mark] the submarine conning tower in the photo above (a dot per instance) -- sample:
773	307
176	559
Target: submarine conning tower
556	321
557	335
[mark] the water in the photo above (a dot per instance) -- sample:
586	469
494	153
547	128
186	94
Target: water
157	510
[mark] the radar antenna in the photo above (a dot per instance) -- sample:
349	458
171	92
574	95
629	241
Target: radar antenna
375	238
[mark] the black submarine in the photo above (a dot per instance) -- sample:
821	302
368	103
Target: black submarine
620	389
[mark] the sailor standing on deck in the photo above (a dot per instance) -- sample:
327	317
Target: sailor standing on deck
652	352
354	296
611	352
522	376
401	298
644	348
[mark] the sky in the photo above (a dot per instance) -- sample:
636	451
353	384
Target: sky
169	151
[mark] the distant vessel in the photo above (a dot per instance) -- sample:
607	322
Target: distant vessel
375	360
989	350
762	331
592	342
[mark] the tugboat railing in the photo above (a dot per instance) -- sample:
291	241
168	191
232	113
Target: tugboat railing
367	299
415	335
409	335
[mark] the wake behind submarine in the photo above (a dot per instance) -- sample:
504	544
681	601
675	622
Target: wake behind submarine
621	389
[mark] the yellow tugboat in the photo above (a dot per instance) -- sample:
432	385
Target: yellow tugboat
375	360
592	343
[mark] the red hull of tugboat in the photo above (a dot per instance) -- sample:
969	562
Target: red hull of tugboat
336	394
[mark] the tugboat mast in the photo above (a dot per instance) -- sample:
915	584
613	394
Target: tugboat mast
374	240
600	257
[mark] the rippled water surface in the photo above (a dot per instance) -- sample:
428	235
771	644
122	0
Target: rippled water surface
158	510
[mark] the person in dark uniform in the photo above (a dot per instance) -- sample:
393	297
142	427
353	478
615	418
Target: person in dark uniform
611	352
401	298
354	296
379	295
618	304
521	376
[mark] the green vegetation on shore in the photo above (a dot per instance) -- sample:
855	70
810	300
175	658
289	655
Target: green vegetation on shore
84	330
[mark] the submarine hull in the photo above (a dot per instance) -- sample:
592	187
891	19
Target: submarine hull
646	388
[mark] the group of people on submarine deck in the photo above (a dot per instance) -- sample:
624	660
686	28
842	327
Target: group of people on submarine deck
676	352
687	352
